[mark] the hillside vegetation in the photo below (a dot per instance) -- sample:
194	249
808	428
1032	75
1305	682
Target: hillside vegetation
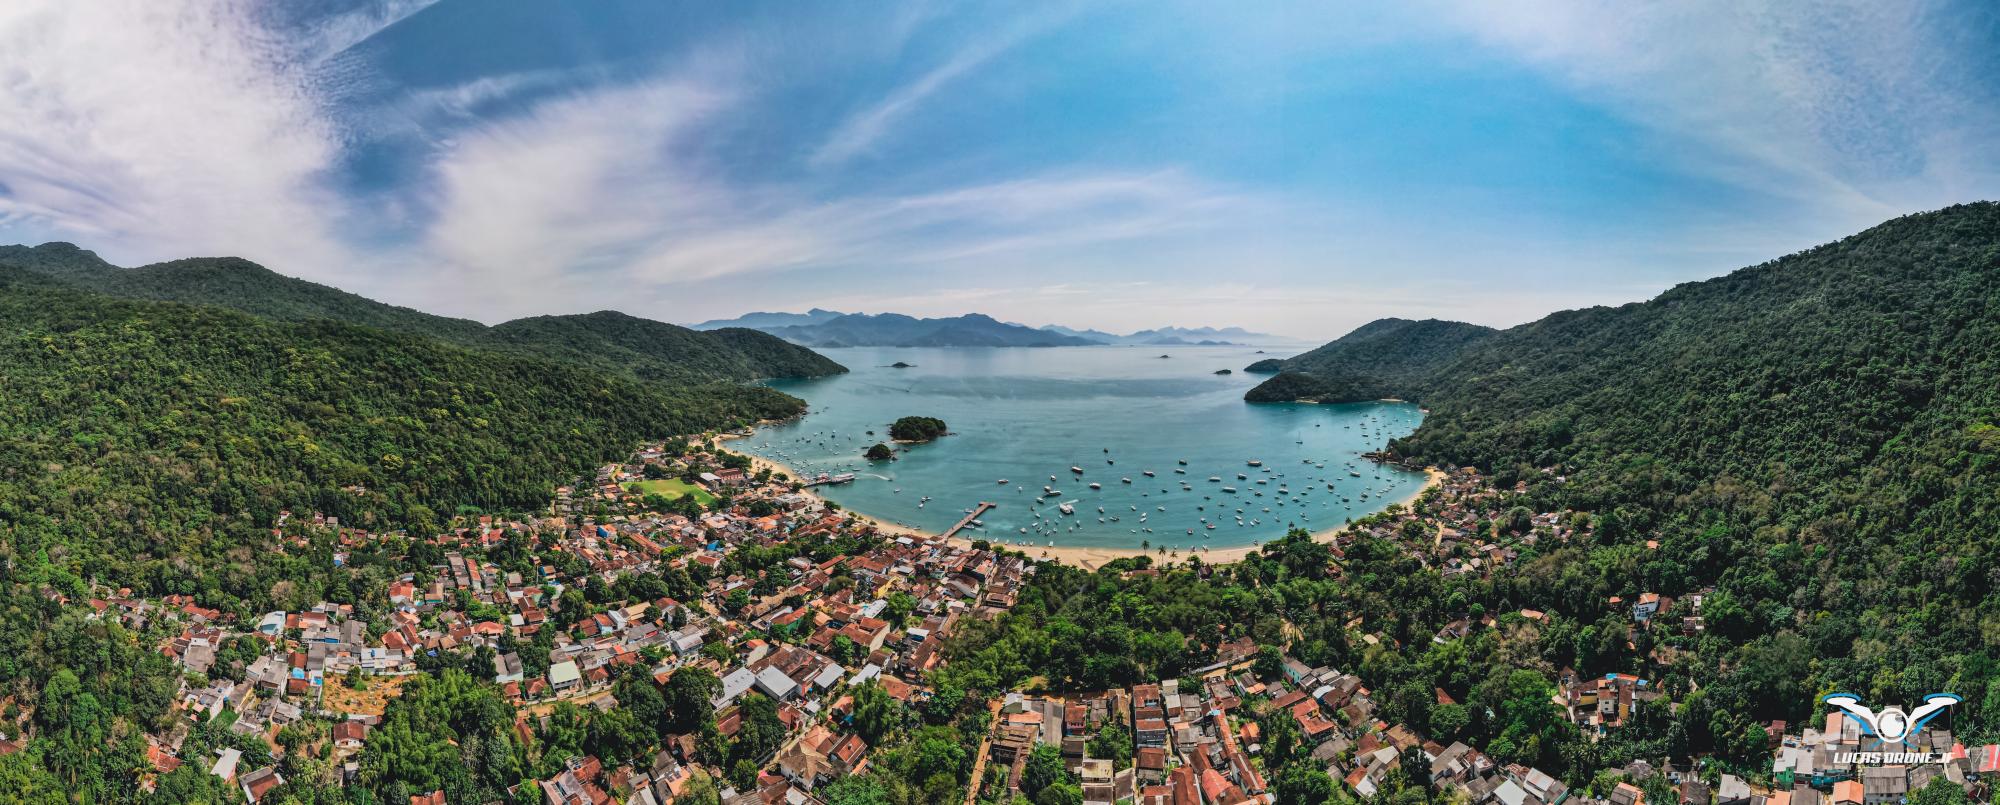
607	340
1817	436
1382	358
157	440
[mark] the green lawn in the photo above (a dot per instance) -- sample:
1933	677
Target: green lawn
672	488
225	718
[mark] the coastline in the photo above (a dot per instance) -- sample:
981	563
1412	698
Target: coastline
1088	558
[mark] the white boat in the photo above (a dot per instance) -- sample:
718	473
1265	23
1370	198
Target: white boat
1096	485
1214	479
1003	482
1077	470
1149	473
1066	508
1125	480
1255	463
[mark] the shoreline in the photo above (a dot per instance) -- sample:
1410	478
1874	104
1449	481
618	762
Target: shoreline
1088	558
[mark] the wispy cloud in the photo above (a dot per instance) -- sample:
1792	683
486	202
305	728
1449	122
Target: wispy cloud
156	128
1849	107
861	131
608	196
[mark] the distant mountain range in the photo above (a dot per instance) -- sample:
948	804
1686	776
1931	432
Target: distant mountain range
897	330
826	328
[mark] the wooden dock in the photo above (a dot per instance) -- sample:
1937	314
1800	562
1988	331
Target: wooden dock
976	511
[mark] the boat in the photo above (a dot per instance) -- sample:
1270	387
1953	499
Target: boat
1229	489
1125	480
1149	473
1242	477
1214	479
1183	462
1003	482
1255	463
1066	508
1077	470
1095	485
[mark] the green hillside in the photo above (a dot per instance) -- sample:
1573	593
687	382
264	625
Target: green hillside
653	350
606	341
165	438
1382	358
1817	437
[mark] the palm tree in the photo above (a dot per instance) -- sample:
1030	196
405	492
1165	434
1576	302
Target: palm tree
1145	544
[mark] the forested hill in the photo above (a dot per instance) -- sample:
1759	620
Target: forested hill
654	350
1383	358
1818	437
156	441
606	341
233	283
1851	386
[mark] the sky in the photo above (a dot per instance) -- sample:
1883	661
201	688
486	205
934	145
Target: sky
1291	168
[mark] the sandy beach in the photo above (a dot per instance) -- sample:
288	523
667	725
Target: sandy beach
1088	558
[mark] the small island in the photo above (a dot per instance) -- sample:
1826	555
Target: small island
1166	356
902	365
917	429
1267	366
880	452
1224	372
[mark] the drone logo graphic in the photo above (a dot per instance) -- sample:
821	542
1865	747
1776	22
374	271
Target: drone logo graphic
1892	725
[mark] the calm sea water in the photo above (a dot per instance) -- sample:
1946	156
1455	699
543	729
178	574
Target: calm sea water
1113	412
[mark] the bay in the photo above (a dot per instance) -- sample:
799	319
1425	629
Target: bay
1115	413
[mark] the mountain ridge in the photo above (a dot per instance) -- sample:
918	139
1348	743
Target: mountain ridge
664	351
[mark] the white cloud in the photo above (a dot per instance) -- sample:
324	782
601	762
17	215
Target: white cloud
155	129
610	197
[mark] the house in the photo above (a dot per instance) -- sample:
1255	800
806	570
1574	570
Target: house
734	684
348	735
564	675
507	668
260	782
1880	784
1848	792
776	684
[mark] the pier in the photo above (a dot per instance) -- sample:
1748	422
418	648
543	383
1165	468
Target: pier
976	511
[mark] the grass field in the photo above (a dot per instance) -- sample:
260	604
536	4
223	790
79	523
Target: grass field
671	489
337	697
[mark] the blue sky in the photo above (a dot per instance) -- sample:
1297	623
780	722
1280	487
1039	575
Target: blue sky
1297	168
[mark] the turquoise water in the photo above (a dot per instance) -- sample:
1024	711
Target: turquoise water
1114	412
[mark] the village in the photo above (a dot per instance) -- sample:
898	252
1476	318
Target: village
807	632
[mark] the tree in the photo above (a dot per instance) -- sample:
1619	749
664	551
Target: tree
700	789
759	735
875	713
1062	793
1043	769
860	789
1282	738
1303	784
687	698
1448	721
1939	791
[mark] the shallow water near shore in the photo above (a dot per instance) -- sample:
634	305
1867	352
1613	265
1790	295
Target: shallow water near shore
1113	412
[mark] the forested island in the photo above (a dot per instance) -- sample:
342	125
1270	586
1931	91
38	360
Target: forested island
917	429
